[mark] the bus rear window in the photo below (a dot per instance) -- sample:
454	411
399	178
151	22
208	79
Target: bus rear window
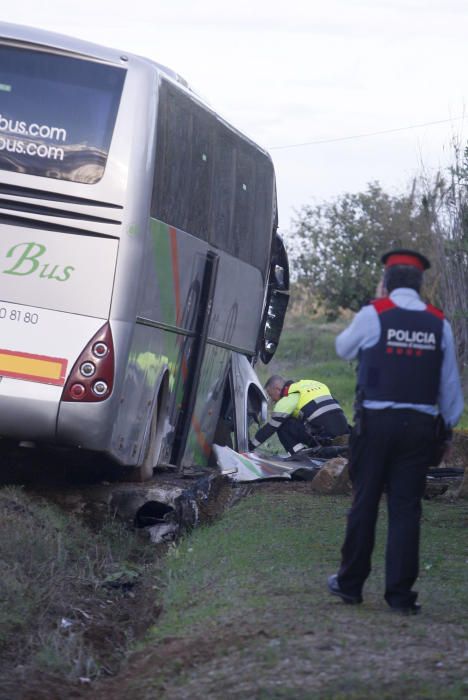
57	114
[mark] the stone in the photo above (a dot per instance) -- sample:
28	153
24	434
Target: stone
333	478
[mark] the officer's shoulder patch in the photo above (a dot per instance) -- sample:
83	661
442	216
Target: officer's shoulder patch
434	310
383	304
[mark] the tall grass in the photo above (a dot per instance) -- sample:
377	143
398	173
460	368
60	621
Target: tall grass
60	583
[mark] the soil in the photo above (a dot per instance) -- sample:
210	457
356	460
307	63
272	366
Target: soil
273	656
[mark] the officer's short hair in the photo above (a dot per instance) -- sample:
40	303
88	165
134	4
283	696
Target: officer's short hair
273	380
402	276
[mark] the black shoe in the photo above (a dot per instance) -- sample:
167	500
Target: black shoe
413	609
334	588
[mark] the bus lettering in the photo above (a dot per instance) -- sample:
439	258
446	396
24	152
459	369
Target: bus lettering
66	272
28	263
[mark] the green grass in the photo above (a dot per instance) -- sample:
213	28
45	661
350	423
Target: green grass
252	587
308	352
59	583
285	545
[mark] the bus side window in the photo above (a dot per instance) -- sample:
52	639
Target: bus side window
222	203
243	230
209	182
201	173
174	180
263	219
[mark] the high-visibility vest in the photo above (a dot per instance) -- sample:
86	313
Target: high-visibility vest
314	399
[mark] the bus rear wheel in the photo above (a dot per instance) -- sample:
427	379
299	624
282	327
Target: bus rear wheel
152	453
145	471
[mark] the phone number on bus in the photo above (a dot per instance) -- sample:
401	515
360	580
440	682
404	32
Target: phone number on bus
18	316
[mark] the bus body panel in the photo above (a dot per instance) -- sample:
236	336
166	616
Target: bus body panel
58	271
173	274
28	411
153	353
89	425
213	377
30	396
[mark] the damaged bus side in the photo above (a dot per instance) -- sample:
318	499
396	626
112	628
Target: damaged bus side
139	274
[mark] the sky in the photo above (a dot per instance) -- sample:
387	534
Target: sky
312	81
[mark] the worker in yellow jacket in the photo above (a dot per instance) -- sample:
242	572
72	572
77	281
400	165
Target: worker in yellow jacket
305	415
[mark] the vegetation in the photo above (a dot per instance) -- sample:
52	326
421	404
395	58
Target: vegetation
246	613
446	205
335	247
339	244
65	593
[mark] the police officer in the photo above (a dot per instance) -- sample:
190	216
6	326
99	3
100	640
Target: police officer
302	410
407	375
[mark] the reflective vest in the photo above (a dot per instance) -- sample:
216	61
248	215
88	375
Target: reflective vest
404	365
314	399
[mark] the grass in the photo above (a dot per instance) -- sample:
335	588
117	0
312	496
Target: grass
246	612
60	584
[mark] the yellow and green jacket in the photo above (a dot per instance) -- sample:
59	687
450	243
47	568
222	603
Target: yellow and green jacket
305	400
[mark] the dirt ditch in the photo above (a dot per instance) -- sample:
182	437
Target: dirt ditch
111	610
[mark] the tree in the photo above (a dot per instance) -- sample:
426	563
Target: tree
336	246
445	203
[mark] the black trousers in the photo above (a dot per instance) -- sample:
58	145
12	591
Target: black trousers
292	433
393	453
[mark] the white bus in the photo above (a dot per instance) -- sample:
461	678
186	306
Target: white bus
140	271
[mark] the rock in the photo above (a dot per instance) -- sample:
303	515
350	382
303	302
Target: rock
333	478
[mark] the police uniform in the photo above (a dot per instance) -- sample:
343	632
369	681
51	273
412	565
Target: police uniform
407	375
306	408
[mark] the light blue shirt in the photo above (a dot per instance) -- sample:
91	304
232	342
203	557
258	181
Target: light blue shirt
364	332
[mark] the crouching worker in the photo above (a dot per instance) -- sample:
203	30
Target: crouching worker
305	415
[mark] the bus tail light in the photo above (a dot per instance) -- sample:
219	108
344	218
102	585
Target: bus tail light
92	376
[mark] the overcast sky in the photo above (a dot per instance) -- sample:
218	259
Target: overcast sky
303	71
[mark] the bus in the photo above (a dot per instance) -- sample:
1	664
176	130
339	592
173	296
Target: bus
141	273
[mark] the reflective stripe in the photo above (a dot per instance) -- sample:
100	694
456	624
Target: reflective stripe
325	397
255	442
277	418
309	390
320	411
297	448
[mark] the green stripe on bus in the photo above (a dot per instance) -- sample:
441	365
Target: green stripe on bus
163	263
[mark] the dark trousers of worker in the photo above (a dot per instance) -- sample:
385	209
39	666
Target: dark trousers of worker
293	434
392	453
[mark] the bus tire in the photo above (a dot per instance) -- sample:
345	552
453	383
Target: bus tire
152	452
145	470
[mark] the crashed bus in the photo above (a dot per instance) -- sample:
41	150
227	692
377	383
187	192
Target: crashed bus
141	274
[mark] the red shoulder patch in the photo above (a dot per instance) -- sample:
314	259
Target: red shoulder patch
434	310
383	304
